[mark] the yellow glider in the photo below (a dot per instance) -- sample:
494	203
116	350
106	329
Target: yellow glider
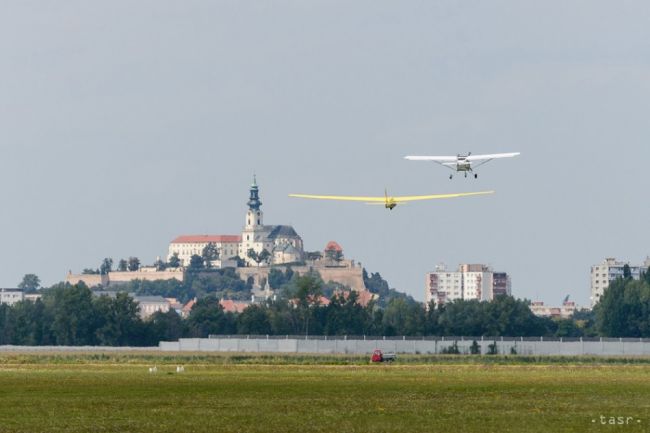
388	202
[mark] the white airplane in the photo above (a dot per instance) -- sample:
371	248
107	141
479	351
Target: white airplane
463	163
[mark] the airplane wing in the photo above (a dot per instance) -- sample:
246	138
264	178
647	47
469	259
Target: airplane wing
492	156
437	196
340	197
432	158
380	200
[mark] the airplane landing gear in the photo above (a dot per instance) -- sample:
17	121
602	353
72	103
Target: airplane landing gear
451	176
475	175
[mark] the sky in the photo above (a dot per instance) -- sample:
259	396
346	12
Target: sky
124	124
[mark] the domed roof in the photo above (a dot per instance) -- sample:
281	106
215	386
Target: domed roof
331	245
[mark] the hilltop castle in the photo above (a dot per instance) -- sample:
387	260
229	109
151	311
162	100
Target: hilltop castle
281	242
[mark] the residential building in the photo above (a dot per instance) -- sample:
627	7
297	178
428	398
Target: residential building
470	281
32	297
187	308
565	311
11	296
151	304
609	270
230	306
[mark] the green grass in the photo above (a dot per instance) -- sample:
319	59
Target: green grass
239	393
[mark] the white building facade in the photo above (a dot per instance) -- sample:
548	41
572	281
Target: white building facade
564	312
11	296
189	245
609	270
470	281
151	304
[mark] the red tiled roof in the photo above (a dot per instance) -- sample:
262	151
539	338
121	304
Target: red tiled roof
199	239
188	307
231	306
363	296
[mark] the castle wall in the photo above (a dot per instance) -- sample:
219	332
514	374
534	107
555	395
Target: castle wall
348	276
125	277
90	280
93	280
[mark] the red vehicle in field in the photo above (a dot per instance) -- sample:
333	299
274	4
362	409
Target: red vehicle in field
379	356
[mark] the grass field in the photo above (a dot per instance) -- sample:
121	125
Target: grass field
97	393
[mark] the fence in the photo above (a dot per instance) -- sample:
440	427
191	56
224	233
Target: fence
412	345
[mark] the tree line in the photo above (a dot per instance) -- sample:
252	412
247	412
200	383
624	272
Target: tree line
73	315
624	308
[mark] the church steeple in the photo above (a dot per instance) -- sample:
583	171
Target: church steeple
254	214
254	202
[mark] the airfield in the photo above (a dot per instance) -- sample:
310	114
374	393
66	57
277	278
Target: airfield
115	392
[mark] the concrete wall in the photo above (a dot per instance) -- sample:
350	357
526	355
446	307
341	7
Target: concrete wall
64	349
343	346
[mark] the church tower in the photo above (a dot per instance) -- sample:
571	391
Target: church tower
253	236
254	216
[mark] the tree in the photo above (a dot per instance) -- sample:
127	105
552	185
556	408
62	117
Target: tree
160	265
30	283
122	265
174	261
117	319
258	257
627	272
624	309
254	320
252	254
74	318
106	266
30	324
133	264
344	315
263	256
196	263
207	317
567	328
404	318
168	326
278	279
241	263
308	292
209	254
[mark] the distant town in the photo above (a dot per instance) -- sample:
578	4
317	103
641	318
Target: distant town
260	265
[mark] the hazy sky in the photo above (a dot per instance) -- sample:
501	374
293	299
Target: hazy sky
126	123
